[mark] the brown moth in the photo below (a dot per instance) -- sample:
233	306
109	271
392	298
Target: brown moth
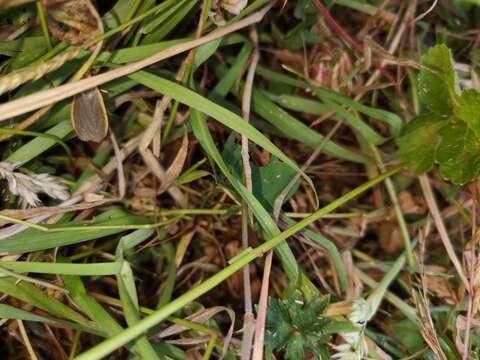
89	116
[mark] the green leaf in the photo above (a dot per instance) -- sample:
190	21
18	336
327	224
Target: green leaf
407	333
418	142
469	109
31	294
295	348
293	327
222	115
293	128
268	181
458	153
438	84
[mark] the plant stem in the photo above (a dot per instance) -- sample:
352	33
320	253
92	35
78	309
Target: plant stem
43	23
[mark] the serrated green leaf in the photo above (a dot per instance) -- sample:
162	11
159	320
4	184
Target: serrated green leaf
438	84
458	153
468	109
294	326
277	323
418	142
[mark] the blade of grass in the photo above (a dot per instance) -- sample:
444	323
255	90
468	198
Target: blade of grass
393	120
91	269
330	247
33	239
31	294
222	115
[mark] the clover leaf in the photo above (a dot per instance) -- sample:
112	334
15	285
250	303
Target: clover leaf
458	153
448	134
437	82
468	109
418	142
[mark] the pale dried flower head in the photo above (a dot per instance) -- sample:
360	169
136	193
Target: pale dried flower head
355	346
234	6
27	187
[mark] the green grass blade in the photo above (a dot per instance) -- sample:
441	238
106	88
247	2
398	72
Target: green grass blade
33	239
33	295
332	250
222	115
92	269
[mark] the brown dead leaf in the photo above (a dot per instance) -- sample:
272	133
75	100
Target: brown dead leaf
438	284
176	166
390	237
410	204
76	16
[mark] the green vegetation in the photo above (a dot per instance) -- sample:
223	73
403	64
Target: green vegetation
239	179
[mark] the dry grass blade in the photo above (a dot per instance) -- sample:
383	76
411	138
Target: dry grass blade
150	160
14	79
26	340
249	318
50	210
176	166
200	317
262	310
437	217
423	304
48	97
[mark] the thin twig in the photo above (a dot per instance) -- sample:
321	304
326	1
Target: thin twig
429	10
249	320
262	310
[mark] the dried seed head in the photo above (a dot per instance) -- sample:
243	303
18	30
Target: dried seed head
27	187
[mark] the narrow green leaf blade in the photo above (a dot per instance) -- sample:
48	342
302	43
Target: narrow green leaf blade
219	113
33	240
31	294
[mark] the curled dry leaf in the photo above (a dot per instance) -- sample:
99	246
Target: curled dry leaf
76	16
176	166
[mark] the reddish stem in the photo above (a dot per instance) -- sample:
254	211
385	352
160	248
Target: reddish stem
348	39
336	27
